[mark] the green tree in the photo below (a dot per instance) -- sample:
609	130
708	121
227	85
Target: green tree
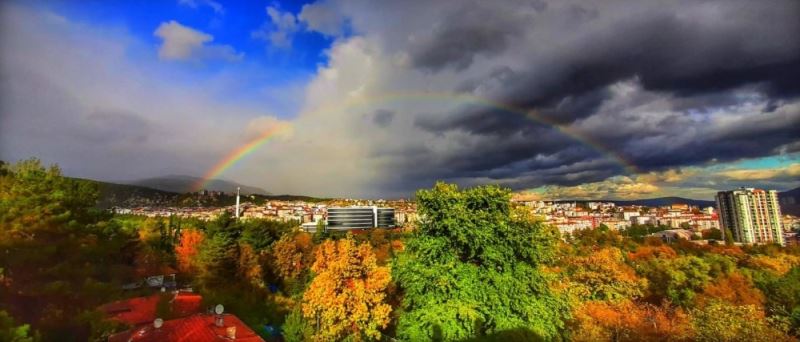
11	332
472	268
216	260
678	279
296	328
783	296
60	255
728	237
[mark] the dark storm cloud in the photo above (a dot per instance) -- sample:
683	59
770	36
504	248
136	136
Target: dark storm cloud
465	33
692	56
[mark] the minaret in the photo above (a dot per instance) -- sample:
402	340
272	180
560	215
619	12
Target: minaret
237	202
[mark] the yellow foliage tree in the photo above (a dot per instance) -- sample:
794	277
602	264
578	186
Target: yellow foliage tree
347	298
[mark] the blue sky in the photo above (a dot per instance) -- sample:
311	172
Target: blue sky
262	66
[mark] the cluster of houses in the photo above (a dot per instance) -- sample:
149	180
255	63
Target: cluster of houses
571	216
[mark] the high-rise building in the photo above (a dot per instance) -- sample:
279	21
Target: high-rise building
751	215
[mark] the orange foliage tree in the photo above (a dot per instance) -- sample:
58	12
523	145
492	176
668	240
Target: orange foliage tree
347	298
650	252
630	321
186	250
735	289
292	254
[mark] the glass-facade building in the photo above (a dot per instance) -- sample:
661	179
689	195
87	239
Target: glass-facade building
360	218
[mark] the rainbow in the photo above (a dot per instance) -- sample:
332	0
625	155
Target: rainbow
354	103
237	154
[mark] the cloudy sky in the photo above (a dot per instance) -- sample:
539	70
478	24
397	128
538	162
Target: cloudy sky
560	99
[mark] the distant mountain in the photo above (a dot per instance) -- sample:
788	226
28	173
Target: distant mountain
663	201
123	195
790	202
182	184
131	196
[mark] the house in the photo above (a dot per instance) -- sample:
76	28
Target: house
671	235
142	310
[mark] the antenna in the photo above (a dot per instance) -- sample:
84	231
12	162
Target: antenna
158	323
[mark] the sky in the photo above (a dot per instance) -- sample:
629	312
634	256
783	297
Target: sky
607	99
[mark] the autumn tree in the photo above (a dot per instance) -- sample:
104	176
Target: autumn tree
629	321
472	268
347	296
734	289
292	254
249	266
721	322
187	248
603	275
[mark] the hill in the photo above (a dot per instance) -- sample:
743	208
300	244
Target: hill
129	196
790	202
183	184
124	195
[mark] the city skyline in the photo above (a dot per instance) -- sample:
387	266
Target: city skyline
606	100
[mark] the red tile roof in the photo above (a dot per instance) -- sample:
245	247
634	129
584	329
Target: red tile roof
134	311
197	328
142	310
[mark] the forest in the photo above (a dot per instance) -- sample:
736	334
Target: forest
475	268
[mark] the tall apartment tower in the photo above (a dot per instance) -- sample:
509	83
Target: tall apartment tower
751	215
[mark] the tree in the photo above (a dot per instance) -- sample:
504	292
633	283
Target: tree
735	289
472	268
249	266
728	236
347	296
296	328
216	259
724	322
783	296
60	255
292	255
11	332
677	280
603	275
187	248
629	321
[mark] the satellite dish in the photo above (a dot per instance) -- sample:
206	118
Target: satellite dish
158	323
219	309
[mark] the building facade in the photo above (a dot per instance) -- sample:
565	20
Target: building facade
360	218
753	216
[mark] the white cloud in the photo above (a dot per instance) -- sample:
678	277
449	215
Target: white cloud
279	30
216	6
181	42
322	17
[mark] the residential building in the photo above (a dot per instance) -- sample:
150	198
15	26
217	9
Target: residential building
753	216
